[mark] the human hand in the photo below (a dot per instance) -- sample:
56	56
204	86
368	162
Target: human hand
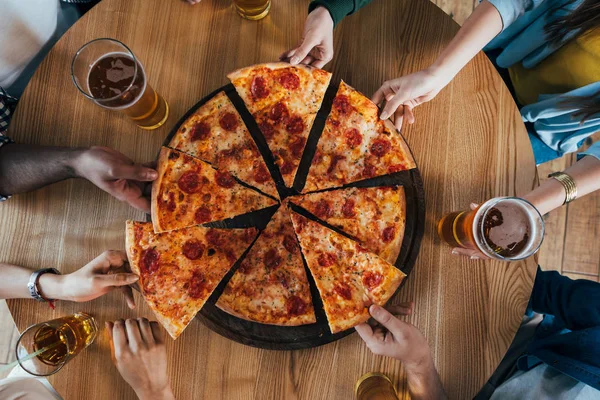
472	254
316	45
138	352
101	275
403	94
192	2
116	174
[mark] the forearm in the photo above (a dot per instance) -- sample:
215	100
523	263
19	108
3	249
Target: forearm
28	167
551	193
14	279
424	382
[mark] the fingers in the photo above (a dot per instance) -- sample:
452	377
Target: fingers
146	331
299	53
119	279
119	337
136	172
385	92
128	293
319	63
402	308
159	334
408	112
134	336
386	319
399	117
307	60
392	105
107	260
365	331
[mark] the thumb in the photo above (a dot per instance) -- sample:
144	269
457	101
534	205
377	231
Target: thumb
385	318
136	172
120	279
300	53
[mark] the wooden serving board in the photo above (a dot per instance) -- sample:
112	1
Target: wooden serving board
317	334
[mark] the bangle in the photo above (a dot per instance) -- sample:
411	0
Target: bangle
568	183
34	290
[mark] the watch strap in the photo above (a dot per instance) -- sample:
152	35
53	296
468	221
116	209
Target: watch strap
34	279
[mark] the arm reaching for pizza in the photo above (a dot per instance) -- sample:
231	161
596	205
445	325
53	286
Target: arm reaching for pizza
28	167
101	275
404	342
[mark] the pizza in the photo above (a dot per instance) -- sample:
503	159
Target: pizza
355	144
271	286
189	192
215	133
374	216
284	100
349	277
179	270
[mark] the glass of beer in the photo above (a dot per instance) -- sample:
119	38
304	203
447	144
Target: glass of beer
252	9
108	73
43	349
375	386
503	228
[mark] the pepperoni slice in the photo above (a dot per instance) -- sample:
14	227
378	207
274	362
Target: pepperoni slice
199	131
326	259
348	208
193	249
245	268
290	243
372	279
202	215
369	171
297	147
353	138
189	182
196	285
388	234
396	168
213	237
295	305
295	124
225	179
229	121
323	209
267	130
287	168
279	112
259	88
380	147
289	80
261	174
334	162
342	104
299	225
271	259
171	205
343	290
149	263
334	122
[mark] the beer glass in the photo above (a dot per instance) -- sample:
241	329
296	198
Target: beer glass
108	73
252	9
375	386
503	228
43	349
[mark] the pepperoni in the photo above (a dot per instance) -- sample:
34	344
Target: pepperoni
231	256
258	88
342	104
271	259
297	147
295	124
196	285
395	168
229	121
326	259
199	131
372	279
289	80
202	215
267	130
334	122
369	171
290	244
380	147
149	262
213	237
295	305
245	268
287	168
225	179
353	138
279	112
171	205
388	234
334	162
193	249
189	182
348	208
261	174
343	290
299	225
323	209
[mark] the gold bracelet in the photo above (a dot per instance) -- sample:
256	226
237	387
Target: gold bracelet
568	183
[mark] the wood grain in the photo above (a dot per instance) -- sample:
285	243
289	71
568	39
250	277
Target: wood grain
469	143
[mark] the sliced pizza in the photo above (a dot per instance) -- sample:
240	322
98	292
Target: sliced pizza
374	216
284	100
179	270
348	277
356	144
270	285
215	133
189	192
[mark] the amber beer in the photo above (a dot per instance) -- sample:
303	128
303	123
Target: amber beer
252	9
504	228
43	349
375	386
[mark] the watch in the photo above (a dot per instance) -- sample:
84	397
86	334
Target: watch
33	283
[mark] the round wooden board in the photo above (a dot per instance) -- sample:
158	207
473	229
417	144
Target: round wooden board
305	336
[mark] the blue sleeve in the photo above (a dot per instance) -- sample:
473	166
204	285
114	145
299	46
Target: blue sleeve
575	303
593	151
510	10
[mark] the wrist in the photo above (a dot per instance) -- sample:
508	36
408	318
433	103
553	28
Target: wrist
323	14
76	161
51	286
442	73
155	394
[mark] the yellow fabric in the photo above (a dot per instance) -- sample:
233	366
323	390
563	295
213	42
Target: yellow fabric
574	65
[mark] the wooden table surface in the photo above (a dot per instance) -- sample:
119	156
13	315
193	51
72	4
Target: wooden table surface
469	142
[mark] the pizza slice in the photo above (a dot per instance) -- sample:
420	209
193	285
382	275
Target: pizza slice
270	285
179	270
356	144
348	277
284	100
374	216
189	192
215	133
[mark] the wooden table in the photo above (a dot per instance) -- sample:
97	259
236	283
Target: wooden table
469	142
